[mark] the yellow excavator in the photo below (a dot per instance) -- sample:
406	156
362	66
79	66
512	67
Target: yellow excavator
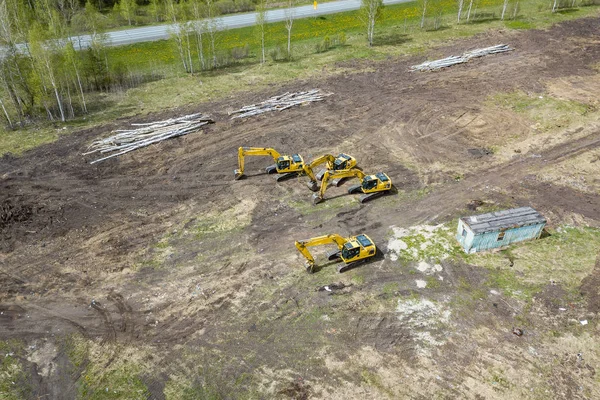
371	186
287	166
350	250
341	162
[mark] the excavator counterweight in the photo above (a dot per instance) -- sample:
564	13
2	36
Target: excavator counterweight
350	250
371	186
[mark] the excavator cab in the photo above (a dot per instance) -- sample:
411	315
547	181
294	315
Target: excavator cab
358	248
376	182
286	164
343	161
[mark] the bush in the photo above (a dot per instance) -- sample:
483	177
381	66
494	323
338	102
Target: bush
278	53
245	5
239	53
329	43
226	6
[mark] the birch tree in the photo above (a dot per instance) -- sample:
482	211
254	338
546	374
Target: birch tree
72	61
156	9
199	27
47	77
212	28
371	12
469	11
127	9
423	5
289	14
461	3
504	5
261	25
178	32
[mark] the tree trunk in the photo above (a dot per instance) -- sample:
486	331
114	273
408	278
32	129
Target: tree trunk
504	9
262	44
424	11
6	114
469	12
80	89
200	49
460	8
289	41
190	56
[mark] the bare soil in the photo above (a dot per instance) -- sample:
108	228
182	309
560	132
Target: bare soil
162	249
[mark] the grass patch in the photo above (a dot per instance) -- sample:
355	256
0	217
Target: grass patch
110	371
327	209
539	261
519	25
373	380
13	381
424	243
547	111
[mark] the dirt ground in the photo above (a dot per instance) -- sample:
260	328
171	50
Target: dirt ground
160	259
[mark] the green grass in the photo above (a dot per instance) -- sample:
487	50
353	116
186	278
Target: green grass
518	24
539	261
110	371
13	384
547	111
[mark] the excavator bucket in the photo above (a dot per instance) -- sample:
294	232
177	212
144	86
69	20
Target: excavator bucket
237	174
309	267
316	198
313	185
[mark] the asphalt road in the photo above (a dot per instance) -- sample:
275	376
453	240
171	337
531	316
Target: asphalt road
152	33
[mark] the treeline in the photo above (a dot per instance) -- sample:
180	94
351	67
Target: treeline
40	71
43	76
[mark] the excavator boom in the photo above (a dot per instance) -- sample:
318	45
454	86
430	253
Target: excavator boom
288	165
329	175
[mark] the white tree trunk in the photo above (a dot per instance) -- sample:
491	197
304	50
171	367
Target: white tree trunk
469	12
504	9
200	49
424	11
460	8
80	88
6	114
262	45
289	22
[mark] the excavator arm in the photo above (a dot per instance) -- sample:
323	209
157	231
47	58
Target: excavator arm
302	246
330	175
308	169
253	151
341	162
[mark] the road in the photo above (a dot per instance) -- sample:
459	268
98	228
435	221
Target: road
160	32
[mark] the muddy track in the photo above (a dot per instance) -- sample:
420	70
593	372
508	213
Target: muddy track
110	335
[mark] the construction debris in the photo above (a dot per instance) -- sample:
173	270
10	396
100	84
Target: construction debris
125	141
453	60
280	103
517	331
